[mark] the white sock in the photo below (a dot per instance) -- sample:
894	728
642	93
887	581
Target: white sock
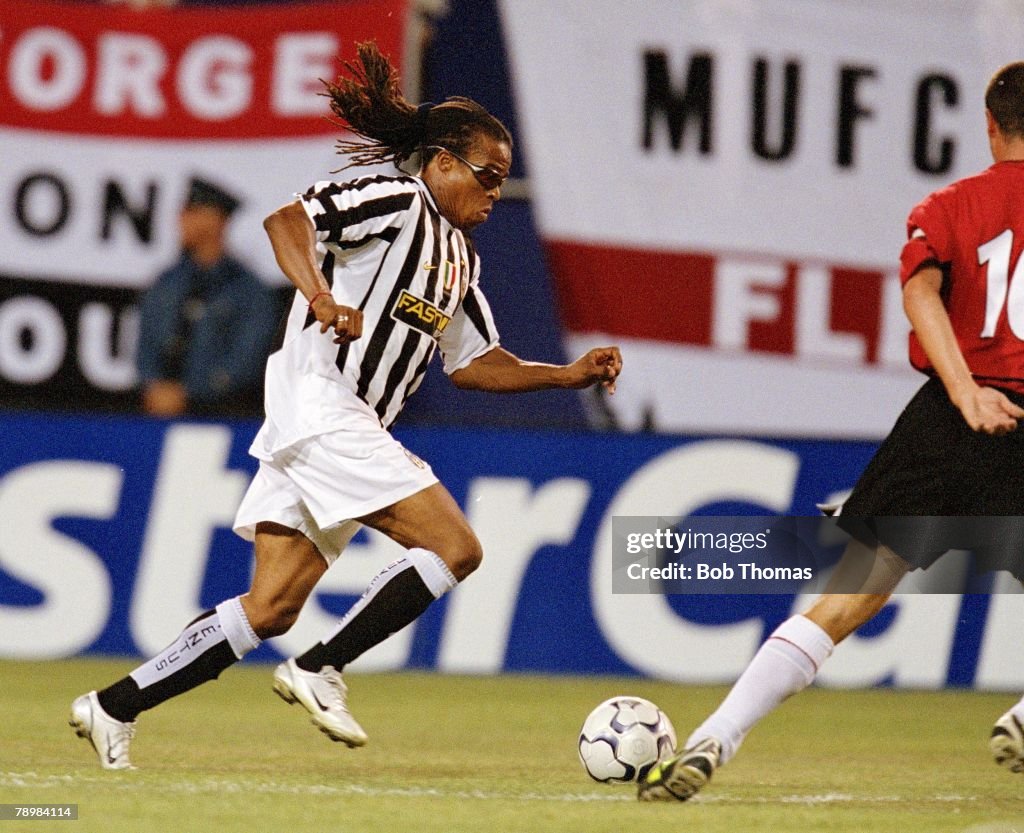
239	633
433	571
226	623
786	663
1018	710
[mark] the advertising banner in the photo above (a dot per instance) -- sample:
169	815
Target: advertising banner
106	113
722	188
116	532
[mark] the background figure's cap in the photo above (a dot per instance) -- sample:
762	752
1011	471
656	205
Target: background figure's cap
204	192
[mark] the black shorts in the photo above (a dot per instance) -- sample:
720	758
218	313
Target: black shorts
965	488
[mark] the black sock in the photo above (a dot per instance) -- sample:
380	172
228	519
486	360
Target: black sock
372	619
199	654
124	699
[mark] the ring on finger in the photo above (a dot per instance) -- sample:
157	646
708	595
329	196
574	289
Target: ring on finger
342	318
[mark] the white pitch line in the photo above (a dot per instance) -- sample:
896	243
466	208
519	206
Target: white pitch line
33	780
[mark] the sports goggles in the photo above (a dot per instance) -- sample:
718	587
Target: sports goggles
487	177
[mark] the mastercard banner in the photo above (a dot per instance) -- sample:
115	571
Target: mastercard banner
722	189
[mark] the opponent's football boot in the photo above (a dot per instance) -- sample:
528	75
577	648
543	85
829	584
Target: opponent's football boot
683	775
1007	742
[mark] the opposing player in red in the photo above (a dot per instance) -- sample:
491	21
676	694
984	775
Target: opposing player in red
954	451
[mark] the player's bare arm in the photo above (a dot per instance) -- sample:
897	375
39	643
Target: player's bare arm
985	409
499	371
293	237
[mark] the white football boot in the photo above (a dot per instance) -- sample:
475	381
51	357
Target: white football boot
323	695
683	775
109	737
1007	742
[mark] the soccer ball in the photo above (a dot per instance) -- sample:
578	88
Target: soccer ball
623	738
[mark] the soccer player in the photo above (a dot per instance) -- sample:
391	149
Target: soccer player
386	274
954	451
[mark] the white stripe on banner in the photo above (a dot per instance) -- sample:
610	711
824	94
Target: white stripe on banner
697	387
75	201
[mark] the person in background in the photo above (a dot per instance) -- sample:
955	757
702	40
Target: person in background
207	321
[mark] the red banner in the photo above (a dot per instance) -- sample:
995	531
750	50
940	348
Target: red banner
239	72
774	306
106	114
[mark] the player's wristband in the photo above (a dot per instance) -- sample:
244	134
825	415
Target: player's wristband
313	299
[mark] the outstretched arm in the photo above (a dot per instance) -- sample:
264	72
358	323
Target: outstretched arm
293	237
985	409
499	371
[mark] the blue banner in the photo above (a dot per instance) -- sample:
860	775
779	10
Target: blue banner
116	531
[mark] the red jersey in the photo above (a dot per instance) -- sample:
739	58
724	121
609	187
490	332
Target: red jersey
973	230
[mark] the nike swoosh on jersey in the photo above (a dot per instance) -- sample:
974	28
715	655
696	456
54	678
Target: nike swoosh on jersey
429	266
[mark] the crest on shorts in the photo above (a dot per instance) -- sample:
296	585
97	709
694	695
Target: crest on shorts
416	461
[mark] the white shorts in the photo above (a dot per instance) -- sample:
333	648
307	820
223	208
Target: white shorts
320	485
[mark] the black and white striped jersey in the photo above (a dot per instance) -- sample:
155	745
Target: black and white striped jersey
384	248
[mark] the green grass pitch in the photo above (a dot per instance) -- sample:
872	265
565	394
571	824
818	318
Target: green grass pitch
495	754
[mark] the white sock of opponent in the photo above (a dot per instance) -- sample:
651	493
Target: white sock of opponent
786	663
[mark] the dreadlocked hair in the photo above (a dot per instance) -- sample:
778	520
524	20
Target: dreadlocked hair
370	104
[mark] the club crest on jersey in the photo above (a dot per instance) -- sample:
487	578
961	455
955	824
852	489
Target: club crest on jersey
451	273
419	314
